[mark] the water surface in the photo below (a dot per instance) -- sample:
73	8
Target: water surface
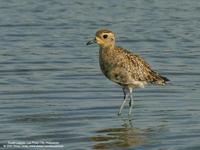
53	90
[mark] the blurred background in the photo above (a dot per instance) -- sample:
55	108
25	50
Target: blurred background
52	89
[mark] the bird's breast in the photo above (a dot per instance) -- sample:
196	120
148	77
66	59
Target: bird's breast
106	61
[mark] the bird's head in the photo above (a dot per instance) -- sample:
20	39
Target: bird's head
104	38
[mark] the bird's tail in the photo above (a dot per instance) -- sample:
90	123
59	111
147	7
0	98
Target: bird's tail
161	80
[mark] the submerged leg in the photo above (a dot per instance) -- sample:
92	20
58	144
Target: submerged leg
125	99
131	101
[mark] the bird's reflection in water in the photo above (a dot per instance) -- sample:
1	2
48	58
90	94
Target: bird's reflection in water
113	138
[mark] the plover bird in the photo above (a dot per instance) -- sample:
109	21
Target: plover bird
121	66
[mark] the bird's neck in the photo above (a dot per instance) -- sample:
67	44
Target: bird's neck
107	52
108	48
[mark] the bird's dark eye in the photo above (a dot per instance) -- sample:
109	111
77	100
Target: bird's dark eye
105	36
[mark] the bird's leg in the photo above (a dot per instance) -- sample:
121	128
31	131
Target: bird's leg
124	91
131	101
125	99
131	104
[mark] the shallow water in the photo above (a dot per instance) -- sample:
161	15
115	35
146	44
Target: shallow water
53	90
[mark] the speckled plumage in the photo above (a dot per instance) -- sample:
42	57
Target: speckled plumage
123	67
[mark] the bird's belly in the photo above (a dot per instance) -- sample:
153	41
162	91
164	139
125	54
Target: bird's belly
137	84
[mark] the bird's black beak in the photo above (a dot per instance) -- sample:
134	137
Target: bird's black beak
91	42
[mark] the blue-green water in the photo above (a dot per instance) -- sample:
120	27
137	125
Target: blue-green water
51	87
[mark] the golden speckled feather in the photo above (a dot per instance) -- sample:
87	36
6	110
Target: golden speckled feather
126	68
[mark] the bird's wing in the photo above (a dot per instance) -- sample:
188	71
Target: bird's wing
139	70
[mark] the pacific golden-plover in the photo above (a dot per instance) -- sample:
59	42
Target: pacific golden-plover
119	65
